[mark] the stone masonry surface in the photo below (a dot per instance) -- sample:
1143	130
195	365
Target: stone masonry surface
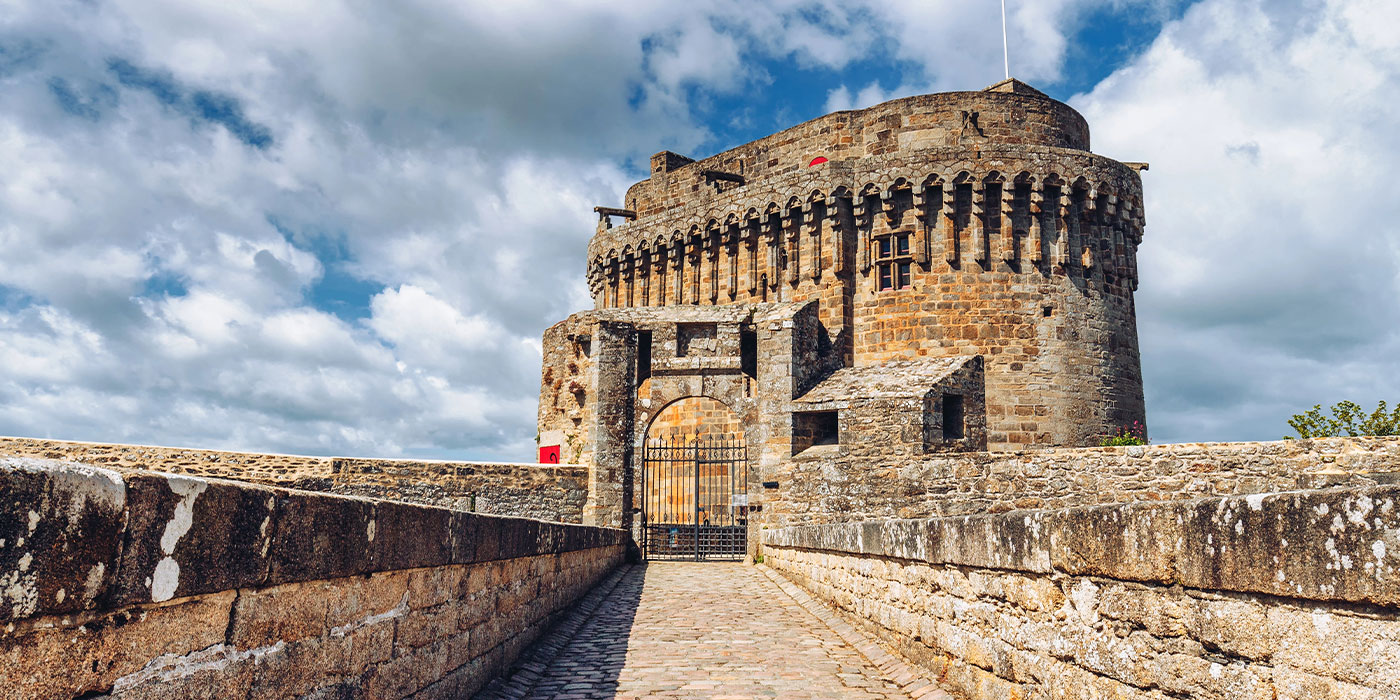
547	492
134	585
697	630
1284	596
864	482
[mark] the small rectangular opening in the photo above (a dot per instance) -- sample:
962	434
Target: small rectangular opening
812	428
748	353
643	355
953	428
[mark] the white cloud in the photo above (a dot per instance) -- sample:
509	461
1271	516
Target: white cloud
168	241
840	98
1271	261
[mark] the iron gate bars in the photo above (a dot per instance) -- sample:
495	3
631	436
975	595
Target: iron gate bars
695	498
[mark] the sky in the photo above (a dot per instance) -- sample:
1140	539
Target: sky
341	226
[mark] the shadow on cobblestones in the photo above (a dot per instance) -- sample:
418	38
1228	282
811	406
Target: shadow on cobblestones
694	630
584	653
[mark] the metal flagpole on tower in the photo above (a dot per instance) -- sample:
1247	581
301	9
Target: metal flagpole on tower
1005	52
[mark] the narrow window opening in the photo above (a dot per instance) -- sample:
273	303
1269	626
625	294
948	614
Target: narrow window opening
643	355
748	353
812	428
953	428
1046	311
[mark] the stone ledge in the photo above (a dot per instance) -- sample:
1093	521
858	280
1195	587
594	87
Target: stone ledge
75	537
1336	545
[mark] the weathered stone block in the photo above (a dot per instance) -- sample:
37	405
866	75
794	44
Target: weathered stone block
365	597
188	535
1335	644
1132	542
61	529
286	613
64	661
1323	545
409	536
434	586
1019	540
319	537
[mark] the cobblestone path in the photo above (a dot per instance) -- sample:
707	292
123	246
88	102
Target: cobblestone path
713	630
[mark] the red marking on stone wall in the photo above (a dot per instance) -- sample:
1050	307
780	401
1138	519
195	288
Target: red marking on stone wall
817	161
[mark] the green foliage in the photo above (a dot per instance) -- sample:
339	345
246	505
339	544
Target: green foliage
1126	436
758	558
1347	419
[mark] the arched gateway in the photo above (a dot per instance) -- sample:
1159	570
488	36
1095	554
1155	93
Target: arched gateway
694	483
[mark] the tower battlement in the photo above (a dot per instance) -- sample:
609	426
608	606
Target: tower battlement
933	226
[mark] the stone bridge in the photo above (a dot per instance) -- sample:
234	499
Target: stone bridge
1271	574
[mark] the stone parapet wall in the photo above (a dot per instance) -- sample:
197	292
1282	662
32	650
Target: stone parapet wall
846	485
1269	596
556	492
911	123
128	584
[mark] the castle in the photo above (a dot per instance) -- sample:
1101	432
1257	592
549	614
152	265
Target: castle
866	352
942	272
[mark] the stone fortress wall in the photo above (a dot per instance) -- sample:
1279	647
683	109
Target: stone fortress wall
120	583
555	492
1022	248
1136	572
1203	570
860	481
1271	596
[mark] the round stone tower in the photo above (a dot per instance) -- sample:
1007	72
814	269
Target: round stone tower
967	223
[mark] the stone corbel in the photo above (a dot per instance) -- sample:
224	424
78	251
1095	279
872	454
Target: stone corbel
1037	232
812	220
950	224
838	235
772	235
1064	213
1011	246
979	239
1088	235
792	225
860	210
750	228
888	206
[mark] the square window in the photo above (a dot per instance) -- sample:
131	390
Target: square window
892	262
813	428
886	280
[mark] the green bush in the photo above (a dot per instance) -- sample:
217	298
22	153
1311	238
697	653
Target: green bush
1126	436
1348	419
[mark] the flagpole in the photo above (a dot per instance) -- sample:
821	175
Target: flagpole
1005	52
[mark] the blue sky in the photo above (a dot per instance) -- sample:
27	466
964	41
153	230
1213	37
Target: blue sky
335	227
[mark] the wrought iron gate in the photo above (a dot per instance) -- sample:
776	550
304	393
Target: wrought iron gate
695	499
